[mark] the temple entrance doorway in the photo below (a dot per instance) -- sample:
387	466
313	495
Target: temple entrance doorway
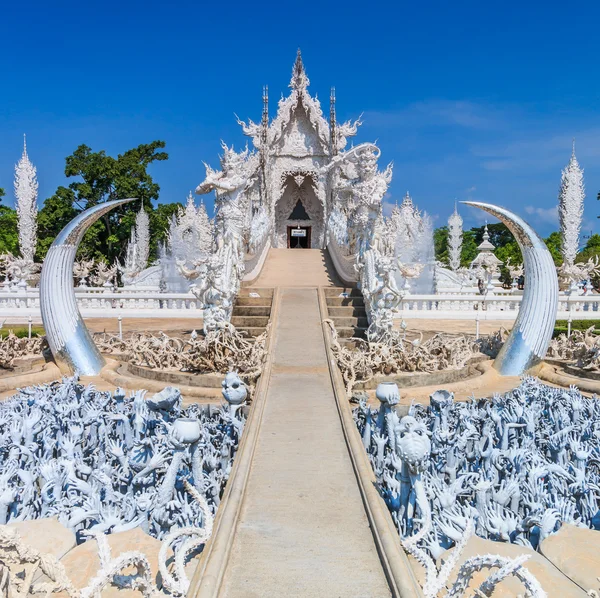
298	237
299	207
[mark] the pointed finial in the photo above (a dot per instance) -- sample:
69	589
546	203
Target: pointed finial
299	79
573	151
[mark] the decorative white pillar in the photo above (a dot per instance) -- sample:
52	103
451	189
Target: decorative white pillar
26	192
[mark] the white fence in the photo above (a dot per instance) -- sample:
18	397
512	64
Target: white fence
494	307
100	303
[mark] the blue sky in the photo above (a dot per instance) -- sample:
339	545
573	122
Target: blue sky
468	99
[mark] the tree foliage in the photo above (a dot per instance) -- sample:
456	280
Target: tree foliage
9	235
102	178
506	247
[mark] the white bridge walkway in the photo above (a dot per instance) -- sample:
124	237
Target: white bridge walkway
302	529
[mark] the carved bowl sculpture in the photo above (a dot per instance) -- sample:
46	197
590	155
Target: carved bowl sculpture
234	390
187	429
441	398
387	392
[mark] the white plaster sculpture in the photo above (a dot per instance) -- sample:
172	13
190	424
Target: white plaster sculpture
221	350
104	275
26	192
570	212
189	243
512	467
13	347
19	271
82	270
104	462
137	252
224	269
395	353
455	238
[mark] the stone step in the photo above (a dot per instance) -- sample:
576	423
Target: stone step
252	330
262	291
336	291
347	311
341	301
251	310
350	321
257	301
252	321
350	331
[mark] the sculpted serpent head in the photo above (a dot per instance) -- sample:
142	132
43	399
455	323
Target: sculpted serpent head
412	444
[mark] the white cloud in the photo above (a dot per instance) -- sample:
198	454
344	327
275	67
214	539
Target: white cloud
545	215
459	113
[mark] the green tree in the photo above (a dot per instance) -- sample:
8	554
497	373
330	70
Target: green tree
440	244
554	242
9	236
102	178
469	248
2	193
55	214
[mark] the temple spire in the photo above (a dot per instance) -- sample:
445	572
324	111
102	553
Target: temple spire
332	123
265	113
26	192
299	80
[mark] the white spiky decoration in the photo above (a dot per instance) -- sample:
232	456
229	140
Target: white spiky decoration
570	208
206	226
455	239
26	192
142	238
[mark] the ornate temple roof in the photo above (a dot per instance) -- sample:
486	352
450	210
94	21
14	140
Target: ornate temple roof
289	107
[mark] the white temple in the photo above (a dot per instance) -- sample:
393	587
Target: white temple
288	176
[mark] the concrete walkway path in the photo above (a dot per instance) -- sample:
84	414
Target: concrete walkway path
302	529
297	268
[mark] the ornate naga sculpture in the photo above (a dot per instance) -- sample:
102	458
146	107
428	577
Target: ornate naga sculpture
69	340
375	264
362	194
220	285
532	331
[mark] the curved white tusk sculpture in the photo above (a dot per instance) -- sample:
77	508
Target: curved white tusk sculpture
70	342
531	334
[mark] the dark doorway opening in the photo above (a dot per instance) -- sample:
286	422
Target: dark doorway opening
298	237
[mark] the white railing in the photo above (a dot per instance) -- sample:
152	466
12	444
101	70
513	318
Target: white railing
99	303
494	307
344	264
105	304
